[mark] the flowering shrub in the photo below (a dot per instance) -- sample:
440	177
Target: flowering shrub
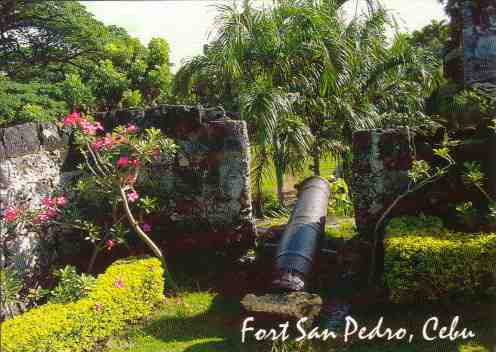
116	165
127	291
52	209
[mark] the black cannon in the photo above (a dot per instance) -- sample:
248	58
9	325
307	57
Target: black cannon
299	244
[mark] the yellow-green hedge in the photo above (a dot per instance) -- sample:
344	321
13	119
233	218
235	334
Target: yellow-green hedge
428	263
126	292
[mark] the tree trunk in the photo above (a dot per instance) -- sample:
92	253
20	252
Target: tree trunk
259	201
492	164
150	244
280	185
316	164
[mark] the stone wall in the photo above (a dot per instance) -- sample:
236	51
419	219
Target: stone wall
381	162
31	160
207	184
479	41
380	172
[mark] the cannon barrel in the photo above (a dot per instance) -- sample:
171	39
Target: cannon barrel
298	246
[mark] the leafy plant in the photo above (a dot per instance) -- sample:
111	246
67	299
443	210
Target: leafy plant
131	99
420	175
474	176
116	165
71	285
76	94
345	228
340	203
467	212
492	124
272	208
27	102
10	287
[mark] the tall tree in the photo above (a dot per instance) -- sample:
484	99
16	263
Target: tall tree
302	58
93	66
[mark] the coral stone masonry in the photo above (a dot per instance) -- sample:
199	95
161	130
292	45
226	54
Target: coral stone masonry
479	41
206	185
31	160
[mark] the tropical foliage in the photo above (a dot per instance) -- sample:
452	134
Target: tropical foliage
305	78
59	52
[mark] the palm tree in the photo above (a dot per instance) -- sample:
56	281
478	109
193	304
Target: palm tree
302	58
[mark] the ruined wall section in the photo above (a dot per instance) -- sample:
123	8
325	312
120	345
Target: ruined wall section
208	182
31	160
206	185
382	158
479	41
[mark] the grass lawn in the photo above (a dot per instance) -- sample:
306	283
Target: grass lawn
201	320
205	322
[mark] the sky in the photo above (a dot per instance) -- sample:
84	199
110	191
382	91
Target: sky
186	24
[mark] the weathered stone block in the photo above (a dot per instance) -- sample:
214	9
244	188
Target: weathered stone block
21	140
479	41
51	137
294	305
380	173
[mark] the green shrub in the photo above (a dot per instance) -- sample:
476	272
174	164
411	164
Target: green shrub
71	285
272	208
344	228
126	292
340	203
426	262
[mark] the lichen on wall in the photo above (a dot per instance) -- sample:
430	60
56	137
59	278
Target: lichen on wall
380	172
479	41
31	159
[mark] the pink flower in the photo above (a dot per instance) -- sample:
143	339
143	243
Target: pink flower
146	227
72	119
119	283
133	196
98	144
123	161
131	179
46	215
98	126
131	128
110	244
11	214
106	142
41	218
61	201
48	202
88	127
135	162
98	307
